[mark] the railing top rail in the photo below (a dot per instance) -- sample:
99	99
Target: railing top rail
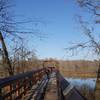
68	91
9	80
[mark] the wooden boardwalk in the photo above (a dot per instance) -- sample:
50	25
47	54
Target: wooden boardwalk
51	90
41	84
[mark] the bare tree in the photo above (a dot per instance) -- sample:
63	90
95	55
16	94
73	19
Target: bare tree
10	27
92	6
22	59
93	42
19	58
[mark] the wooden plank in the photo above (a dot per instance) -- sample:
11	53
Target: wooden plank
51	91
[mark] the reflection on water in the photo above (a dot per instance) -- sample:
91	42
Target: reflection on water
78	82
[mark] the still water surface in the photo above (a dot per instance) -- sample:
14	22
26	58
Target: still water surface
78	82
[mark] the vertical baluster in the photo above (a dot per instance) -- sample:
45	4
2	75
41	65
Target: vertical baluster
10	91
13	87
18	84
0	92
31	81
25	81
17	90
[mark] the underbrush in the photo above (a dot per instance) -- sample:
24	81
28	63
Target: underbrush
86	92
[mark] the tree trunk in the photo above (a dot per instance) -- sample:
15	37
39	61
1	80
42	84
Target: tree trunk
6	57
97	90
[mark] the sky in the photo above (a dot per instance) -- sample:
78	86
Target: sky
57	25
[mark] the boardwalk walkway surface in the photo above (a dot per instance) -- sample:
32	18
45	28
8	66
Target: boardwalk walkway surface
51	92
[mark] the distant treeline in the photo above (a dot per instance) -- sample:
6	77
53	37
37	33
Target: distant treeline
74	68
79	68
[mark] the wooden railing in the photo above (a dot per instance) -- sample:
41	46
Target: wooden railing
66	91
15	87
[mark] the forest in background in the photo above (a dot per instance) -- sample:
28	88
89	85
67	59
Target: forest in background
69	68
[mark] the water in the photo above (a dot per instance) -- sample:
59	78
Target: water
78	82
